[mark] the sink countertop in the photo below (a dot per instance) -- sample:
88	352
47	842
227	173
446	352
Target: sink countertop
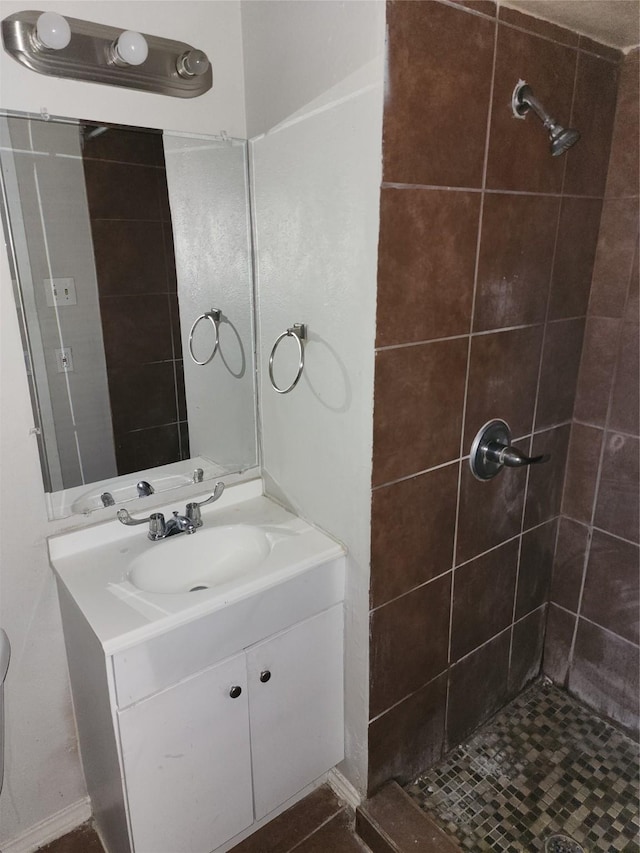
93	564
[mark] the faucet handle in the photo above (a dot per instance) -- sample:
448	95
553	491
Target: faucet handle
193	508
492	451
156	522
512	457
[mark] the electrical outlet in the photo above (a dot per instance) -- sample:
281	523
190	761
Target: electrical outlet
64	360
60	291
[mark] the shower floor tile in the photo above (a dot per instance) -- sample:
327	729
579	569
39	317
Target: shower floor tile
544	765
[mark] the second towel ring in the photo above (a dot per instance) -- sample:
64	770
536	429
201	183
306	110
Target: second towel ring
299	332
213	315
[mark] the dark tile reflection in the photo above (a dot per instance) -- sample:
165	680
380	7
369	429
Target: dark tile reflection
135	265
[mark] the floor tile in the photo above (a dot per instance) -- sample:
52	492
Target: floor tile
544	765
84	839
294	825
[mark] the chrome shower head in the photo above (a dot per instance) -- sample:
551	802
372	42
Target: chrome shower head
560	138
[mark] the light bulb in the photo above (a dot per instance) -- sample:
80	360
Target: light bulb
52	31
193	63
131	48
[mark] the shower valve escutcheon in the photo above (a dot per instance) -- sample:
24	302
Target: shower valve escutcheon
492	450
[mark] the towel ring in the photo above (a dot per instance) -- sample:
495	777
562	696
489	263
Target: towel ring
299	332
213	315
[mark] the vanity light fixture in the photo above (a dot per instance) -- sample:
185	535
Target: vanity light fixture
52	32
81	50
130	48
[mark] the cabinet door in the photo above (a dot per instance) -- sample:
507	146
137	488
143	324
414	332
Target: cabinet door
297	719
187	763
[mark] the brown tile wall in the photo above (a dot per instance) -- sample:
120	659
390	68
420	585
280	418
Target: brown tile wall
592	641
133	244
486	253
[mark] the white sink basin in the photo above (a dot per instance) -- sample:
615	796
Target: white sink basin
200	560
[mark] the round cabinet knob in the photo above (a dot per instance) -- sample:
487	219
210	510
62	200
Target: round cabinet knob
235	691
265	675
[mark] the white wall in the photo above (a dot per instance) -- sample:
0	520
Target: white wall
314	88
42	771
50	205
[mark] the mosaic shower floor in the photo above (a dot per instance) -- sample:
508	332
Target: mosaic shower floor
543	766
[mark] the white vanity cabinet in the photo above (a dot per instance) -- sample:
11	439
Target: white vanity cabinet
296	716
202	715
207	756
187	763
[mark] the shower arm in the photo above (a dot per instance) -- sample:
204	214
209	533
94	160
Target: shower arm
528	100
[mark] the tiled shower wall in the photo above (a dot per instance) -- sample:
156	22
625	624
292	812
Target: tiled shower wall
133	245
592	632
486	253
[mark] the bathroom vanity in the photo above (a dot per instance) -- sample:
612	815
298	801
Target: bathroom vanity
201	714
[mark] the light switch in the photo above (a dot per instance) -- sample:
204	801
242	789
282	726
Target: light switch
60	291
64	360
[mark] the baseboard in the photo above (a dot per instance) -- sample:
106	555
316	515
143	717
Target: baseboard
51	828
343	788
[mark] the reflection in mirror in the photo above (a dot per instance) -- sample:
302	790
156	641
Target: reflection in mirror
120	239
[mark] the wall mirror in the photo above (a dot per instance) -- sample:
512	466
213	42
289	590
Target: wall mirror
119	240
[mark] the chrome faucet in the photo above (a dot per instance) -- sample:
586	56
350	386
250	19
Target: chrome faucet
144	488
193	509
179	524
161	529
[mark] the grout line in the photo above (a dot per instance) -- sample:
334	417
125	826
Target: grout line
486	642
420	343
465	457
552	427
297	845
410	591
466	563
573	103
608	533
483	332
556	540
408	696
395	185
587	554
579	616
556	320
459	660
539	379
502	22
416	474
452	4
519	537
485	166
497	331
544	337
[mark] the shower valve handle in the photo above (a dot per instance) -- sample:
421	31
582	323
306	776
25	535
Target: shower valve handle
492	451
510	456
